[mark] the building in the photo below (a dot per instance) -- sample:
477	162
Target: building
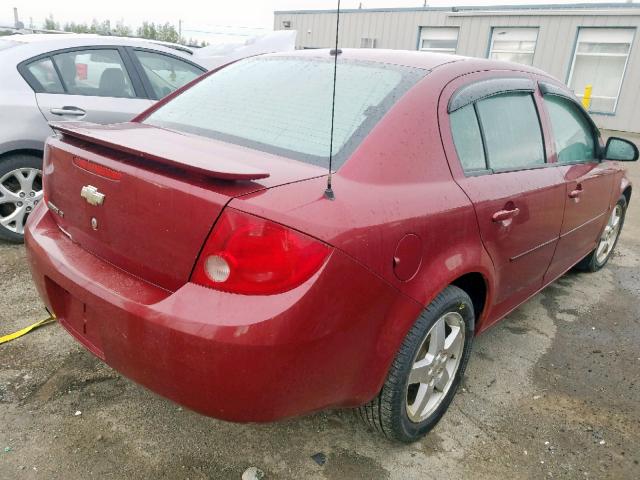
580	44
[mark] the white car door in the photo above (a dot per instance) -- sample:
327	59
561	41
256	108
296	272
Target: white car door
89	84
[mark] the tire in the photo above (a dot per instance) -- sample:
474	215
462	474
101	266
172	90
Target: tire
18	195
596	260
393	412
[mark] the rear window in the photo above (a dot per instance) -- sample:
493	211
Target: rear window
282	105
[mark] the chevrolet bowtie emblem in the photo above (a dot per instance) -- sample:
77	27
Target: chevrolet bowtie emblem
92	195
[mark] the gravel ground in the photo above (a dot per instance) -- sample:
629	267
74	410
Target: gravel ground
552	391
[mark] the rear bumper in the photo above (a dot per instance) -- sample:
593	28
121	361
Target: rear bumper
326	343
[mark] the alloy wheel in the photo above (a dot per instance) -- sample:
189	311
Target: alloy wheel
435	366
20	192
609	235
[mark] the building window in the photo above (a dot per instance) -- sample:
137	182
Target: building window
368	43
600	60
513	44
438	39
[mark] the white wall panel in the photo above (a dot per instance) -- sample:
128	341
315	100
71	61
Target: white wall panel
399	29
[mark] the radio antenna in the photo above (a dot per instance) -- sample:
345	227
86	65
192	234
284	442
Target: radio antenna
335	52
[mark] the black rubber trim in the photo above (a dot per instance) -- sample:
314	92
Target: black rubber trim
473	92
551	89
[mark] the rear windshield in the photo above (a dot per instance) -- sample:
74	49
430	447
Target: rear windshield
282	105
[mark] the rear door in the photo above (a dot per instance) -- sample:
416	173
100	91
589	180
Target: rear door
498	157
588	181
93	84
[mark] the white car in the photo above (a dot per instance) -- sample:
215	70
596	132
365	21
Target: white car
48	77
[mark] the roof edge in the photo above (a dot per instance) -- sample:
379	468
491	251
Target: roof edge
549	6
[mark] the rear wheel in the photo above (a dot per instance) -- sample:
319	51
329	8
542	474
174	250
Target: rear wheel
608	240
20	192
426	371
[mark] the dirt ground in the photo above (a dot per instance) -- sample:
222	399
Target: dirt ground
553	391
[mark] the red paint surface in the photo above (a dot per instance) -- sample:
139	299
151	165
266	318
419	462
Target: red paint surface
124	292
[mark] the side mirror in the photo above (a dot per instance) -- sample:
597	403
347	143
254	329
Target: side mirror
620	149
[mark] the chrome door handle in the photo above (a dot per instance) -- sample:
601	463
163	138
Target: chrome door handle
73	111
502	215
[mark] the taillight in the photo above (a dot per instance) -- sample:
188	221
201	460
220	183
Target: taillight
250	255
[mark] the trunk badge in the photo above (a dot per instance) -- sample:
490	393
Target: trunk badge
55	209
94	223
92	195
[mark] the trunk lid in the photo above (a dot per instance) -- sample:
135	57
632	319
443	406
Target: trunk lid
145	199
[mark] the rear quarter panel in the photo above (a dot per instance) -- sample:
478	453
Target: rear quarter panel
396	183
22	126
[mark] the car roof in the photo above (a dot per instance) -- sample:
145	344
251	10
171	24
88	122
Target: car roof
31	45
411	58
66	36
55	37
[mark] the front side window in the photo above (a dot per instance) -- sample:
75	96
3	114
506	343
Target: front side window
512	132
166	73
572	132
46	76
468	139
513	44
99	73
439	39
600	60
282	105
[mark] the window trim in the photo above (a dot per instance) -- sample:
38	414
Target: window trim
136	83
473	92
485	150
146	83
498	27
626	63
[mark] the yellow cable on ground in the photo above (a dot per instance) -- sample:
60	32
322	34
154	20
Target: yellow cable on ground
24	331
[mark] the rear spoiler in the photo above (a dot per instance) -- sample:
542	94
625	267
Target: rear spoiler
186	152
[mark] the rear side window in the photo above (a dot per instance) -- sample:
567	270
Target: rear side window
512	131
468	139
98	73
166	73
45	74
282	105
573	134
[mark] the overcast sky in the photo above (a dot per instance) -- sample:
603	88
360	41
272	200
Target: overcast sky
212	14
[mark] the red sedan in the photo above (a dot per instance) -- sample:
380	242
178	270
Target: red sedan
194	249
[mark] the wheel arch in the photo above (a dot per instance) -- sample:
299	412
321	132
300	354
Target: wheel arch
30	150
627	193
476	286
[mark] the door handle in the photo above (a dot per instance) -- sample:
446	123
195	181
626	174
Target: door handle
577	192
502	215
73	111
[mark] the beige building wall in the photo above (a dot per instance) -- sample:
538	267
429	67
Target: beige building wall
558	30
